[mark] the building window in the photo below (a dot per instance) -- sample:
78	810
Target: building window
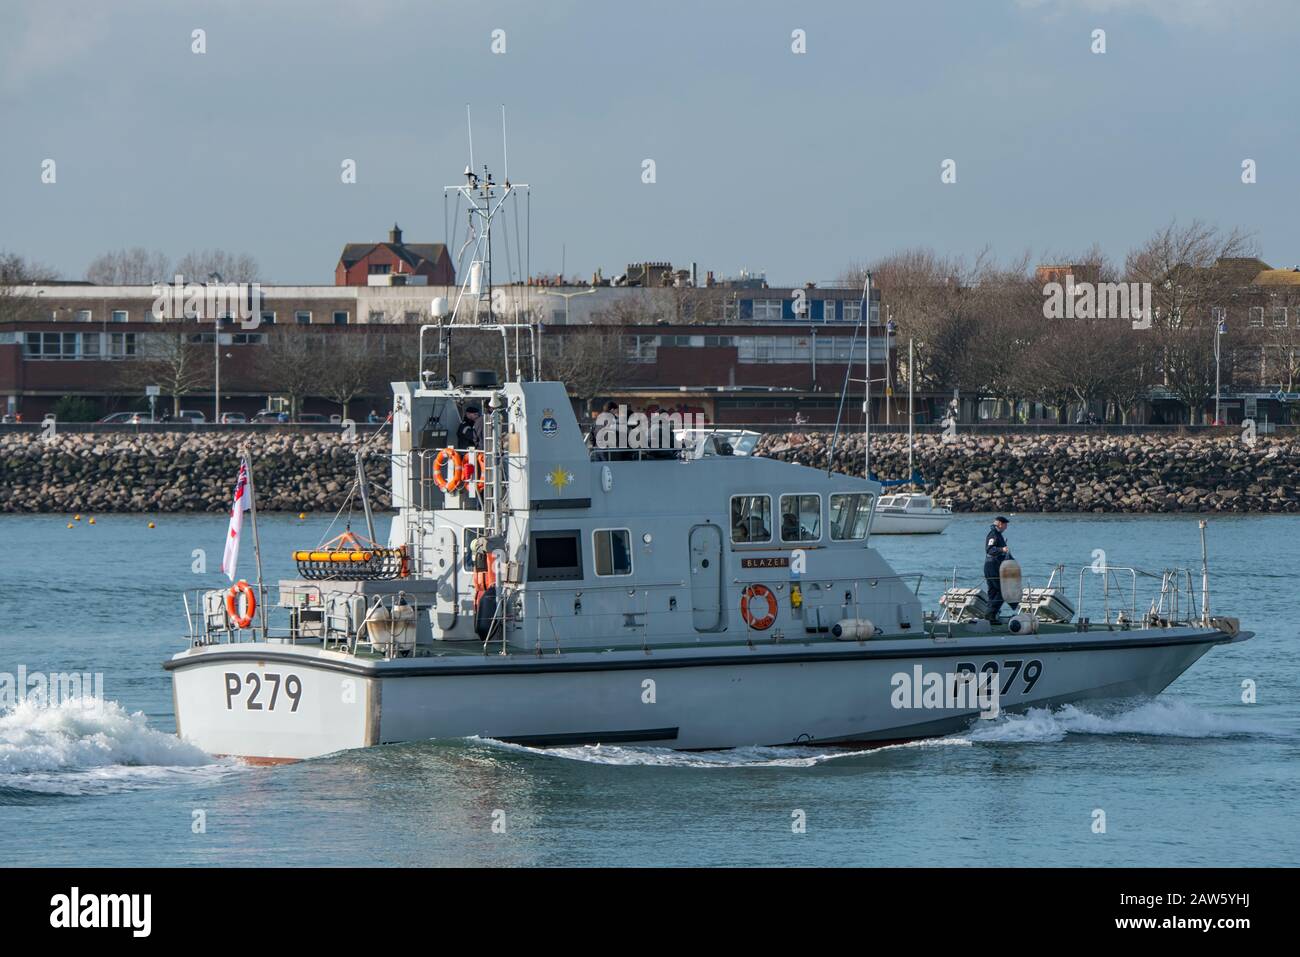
751	518
119	315
84	315
90	344
378	315
380	269
641	348
555	556
849	516
411	318
149	315
121	344
340	318
612	548
302	317
801	518
268	318
852	310
1256	317
767	310
1279	317
730	310
828	310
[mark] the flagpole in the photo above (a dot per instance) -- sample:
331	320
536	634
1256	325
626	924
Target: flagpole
257	545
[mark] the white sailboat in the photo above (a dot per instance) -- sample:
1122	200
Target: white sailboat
909	513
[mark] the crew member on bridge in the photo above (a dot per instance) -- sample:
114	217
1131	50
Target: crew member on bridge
470	433
995	553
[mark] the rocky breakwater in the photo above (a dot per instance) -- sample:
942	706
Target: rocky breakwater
1147	472
180	471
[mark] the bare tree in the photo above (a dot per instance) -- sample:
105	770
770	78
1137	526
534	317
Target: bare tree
589	361
292	362
126	267
196	266
964	319
1186	288
18	304
350	371
178	362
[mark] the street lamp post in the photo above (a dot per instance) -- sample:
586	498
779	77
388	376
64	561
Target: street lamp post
1219	330
566	296
891	327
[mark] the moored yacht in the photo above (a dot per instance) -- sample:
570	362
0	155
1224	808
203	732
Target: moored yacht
910	513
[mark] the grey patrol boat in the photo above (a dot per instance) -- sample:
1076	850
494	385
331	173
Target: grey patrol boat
547	589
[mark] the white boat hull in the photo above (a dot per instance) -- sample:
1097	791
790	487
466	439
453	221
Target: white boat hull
702	698
910	523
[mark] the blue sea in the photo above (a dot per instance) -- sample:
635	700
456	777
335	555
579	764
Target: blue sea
1194	777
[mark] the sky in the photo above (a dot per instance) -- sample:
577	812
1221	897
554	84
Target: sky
794	164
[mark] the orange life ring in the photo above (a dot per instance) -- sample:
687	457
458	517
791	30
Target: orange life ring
457	468
758	591
241	587
473	468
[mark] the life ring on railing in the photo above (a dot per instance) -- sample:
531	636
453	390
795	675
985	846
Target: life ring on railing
241	587
440	478
472	469
749	594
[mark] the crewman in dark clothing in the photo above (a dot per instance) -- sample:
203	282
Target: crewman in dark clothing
995	553
470	433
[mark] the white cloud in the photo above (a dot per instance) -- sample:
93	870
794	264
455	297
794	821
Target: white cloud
41	37
1246	14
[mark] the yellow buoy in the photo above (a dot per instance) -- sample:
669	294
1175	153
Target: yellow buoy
77	517
151	524
302	515
92	521
69	524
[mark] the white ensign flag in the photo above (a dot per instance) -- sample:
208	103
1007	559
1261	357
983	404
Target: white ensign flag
243	502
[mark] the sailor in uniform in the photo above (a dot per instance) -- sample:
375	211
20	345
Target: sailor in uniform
995	552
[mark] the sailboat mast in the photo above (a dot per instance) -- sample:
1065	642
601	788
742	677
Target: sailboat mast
865	318
910	419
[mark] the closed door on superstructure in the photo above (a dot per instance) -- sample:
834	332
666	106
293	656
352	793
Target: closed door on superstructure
706	577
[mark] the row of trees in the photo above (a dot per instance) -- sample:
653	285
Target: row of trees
980	327
296	363
288	362
140	266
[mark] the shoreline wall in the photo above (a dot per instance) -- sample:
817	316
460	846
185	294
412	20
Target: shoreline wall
191	472
1075	473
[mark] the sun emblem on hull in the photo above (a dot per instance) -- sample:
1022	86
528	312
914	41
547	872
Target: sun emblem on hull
559	477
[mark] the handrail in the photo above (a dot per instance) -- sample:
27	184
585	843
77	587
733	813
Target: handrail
504	328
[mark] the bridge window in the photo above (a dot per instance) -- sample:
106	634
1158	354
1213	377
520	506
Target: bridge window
850	514
801	518
751	518
613	551
555	556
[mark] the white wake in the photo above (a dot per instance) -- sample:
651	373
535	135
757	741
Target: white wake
87	745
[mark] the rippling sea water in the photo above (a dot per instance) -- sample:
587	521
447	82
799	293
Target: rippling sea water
1195	776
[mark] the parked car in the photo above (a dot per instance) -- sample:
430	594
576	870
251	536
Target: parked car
233	418
9	418
313	418
191	415
267	416
125	418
